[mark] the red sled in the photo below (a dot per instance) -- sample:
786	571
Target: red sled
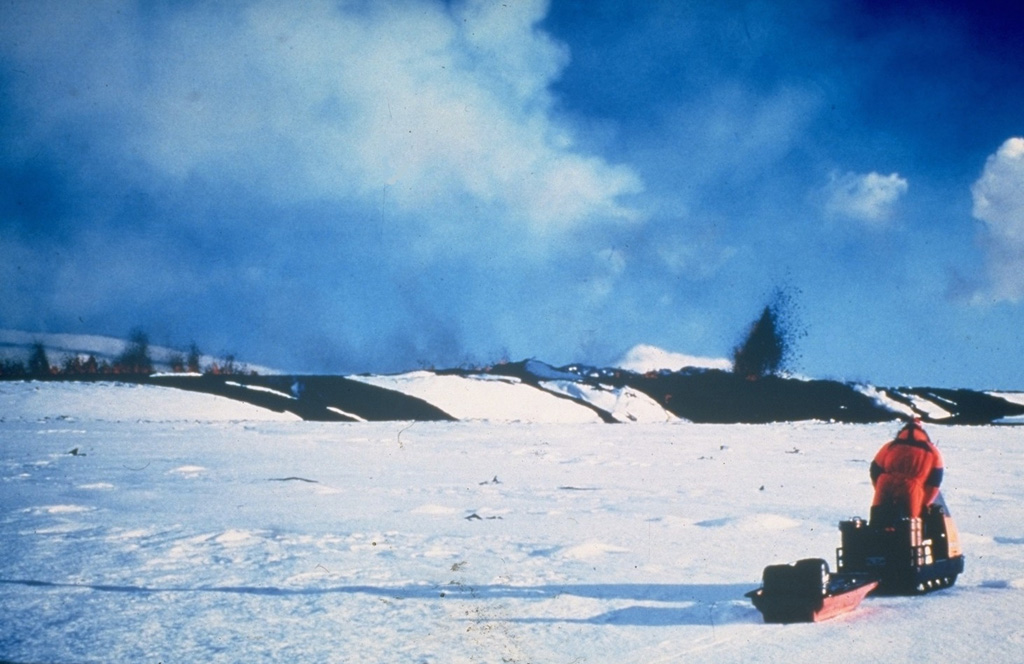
806	592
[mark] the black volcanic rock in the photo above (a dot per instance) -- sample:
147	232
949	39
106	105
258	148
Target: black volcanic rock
317	398
964	406
694	394
716	396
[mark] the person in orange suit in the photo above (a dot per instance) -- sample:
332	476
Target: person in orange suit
906	474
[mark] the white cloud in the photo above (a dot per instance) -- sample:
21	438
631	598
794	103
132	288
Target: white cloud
610	264
999	204
443	107
867	197
643	358
613	260
697	259
735	134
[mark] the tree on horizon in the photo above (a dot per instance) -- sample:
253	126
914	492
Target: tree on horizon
38	362
135	357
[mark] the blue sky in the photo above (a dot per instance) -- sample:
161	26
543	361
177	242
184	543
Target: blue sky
358	186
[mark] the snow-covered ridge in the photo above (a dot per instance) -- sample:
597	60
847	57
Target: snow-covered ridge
74	401
529	392
485	397
661	387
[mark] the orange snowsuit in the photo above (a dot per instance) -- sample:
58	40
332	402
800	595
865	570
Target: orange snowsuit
906	474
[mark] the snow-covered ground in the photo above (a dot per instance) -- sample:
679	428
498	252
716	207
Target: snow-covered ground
484	397
495	398
184	528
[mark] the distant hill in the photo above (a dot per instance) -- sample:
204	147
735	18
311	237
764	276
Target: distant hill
17	345
533	391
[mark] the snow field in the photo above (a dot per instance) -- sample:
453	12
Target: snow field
497	398
225	541
58	401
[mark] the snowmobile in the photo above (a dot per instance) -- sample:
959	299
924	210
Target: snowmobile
908	556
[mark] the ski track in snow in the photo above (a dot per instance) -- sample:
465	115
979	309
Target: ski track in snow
262	541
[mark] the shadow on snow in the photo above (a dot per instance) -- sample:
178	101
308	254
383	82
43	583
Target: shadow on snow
698	601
